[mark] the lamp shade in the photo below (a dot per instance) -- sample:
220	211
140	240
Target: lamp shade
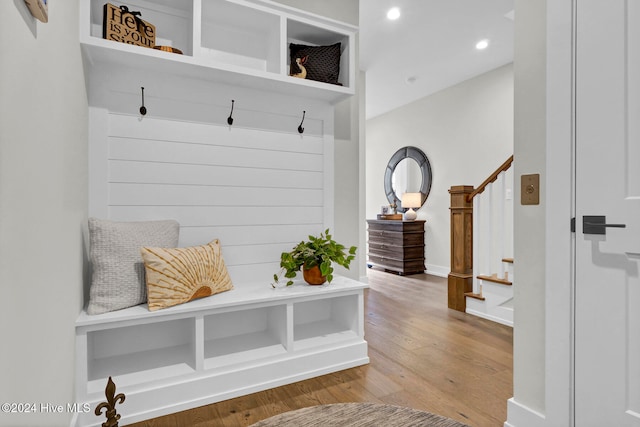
411	200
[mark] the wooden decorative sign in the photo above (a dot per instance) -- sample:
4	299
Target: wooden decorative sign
125	26
38	9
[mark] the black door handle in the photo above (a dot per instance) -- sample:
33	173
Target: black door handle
598	224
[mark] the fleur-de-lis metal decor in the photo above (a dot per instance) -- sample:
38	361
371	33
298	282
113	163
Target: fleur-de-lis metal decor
110	405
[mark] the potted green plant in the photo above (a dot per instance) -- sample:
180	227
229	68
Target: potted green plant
315	257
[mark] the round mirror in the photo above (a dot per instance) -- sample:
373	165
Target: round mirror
408	171
406	177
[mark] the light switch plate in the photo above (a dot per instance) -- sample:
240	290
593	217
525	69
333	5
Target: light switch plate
530	189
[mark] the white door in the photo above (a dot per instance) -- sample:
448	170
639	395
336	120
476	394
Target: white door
607	293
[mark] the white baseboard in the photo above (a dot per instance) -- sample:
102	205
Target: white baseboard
437	270
519	415
490	317
434	270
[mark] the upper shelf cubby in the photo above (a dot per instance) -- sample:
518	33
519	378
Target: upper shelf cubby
308	34
241	36
172	18
225	41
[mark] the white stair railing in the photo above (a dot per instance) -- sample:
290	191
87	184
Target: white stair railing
493	229
481	239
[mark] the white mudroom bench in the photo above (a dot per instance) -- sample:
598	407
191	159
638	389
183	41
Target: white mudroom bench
257	185
251	338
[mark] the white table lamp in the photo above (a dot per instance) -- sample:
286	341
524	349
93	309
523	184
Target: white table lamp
411	200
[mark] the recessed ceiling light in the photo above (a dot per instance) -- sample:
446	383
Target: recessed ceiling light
393	13
482	44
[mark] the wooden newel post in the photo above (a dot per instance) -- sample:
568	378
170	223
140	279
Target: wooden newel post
461	275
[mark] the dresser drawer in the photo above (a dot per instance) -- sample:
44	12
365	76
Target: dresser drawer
399	252
396	238
400	265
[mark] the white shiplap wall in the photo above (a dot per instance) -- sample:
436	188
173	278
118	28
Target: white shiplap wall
258	191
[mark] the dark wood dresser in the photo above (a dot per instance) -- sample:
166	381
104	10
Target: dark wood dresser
396	245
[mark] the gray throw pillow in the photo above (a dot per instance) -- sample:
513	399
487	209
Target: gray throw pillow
118	271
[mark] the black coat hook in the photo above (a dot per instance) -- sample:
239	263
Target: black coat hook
300	128
143	109
230	118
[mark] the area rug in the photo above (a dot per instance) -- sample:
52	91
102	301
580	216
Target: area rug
358	415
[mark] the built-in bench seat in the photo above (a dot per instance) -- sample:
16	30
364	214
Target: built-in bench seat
251	338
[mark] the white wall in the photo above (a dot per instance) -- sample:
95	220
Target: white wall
530	221
43	203
543	378
466	131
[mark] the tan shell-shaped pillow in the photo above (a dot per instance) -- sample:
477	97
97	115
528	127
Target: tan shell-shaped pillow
178	275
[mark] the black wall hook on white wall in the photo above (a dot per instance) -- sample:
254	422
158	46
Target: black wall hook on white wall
230	118
143	109
300	128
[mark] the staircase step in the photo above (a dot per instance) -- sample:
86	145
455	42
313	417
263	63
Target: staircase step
495	279
508	260
472	295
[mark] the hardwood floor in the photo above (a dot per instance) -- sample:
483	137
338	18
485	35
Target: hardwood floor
423	356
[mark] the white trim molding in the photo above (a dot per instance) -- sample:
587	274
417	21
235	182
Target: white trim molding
521	416
437	270
559	257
